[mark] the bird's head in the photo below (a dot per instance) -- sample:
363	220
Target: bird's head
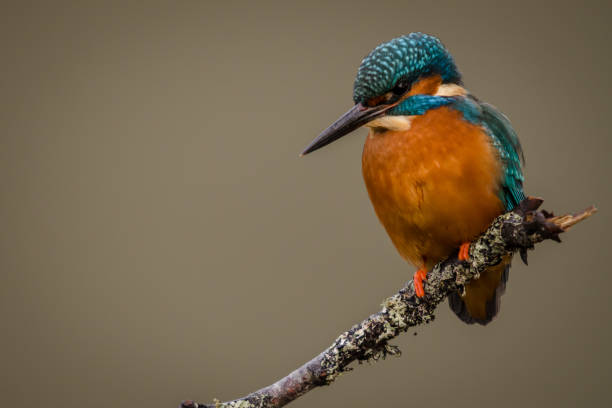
390	82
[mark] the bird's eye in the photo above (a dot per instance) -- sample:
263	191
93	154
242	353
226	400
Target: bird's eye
401	87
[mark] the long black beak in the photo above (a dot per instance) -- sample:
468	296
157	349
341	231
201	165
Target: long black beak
357	116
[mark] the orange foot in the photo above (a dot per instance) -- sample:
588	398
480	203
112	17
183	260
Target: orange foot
464	251
418	278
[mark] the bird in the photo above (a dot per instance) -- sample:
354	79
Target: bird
439	165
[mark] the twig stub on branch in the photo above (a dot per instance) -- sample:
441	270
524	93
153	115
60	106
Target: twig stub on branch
518	230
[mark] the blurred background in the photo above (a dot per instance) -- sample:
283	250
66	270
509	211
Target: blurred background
161	239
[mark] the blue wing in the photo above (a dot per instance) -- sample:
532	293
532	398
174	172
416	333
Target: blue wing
505	140
507	143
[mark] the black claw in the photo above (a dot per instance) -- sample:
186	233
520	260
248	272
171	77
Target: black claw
523	253
555	237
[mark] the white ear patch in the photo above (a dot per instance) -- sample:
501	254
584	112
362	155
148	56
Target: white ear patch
451	90
391	122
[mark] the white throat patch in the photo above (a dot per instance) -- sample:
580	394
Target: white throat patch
391	122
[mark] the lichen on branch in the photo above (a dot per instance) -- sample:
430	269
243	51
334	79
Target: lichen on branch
518	230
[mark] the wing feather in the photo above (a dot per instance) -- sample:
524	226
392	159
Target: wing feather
508	145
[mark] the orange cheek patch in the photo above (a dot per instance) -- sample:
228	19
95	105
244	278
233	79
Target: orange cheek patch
426	86
377	100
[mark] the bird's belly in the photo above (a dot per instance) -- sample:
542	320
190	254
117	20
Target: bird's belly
433	186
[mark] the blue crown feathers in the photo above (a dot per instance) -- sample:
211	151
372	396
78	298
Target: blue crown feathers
407	57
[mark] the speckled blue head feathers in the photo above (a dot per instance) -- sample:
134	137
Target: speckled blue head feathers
408	58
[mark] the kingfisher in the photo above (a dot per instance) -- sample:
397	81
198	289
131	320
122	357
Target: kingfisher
438	164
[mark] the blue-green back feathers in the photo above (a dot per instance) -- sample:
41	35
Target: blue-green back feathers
507	144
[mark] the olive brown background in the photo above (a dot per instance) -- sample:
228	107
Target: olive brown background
161	240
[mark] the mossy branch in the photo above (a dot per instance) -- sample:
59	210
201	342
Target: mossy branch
518	230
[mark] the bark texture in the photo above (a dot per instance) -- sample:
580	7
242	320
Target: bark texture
514	231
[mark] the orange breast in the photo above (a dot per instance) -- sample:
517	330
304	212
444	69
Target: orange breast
433	186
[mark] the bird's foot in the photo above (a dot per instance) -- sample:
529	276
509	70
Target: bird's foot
464	251
418	278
